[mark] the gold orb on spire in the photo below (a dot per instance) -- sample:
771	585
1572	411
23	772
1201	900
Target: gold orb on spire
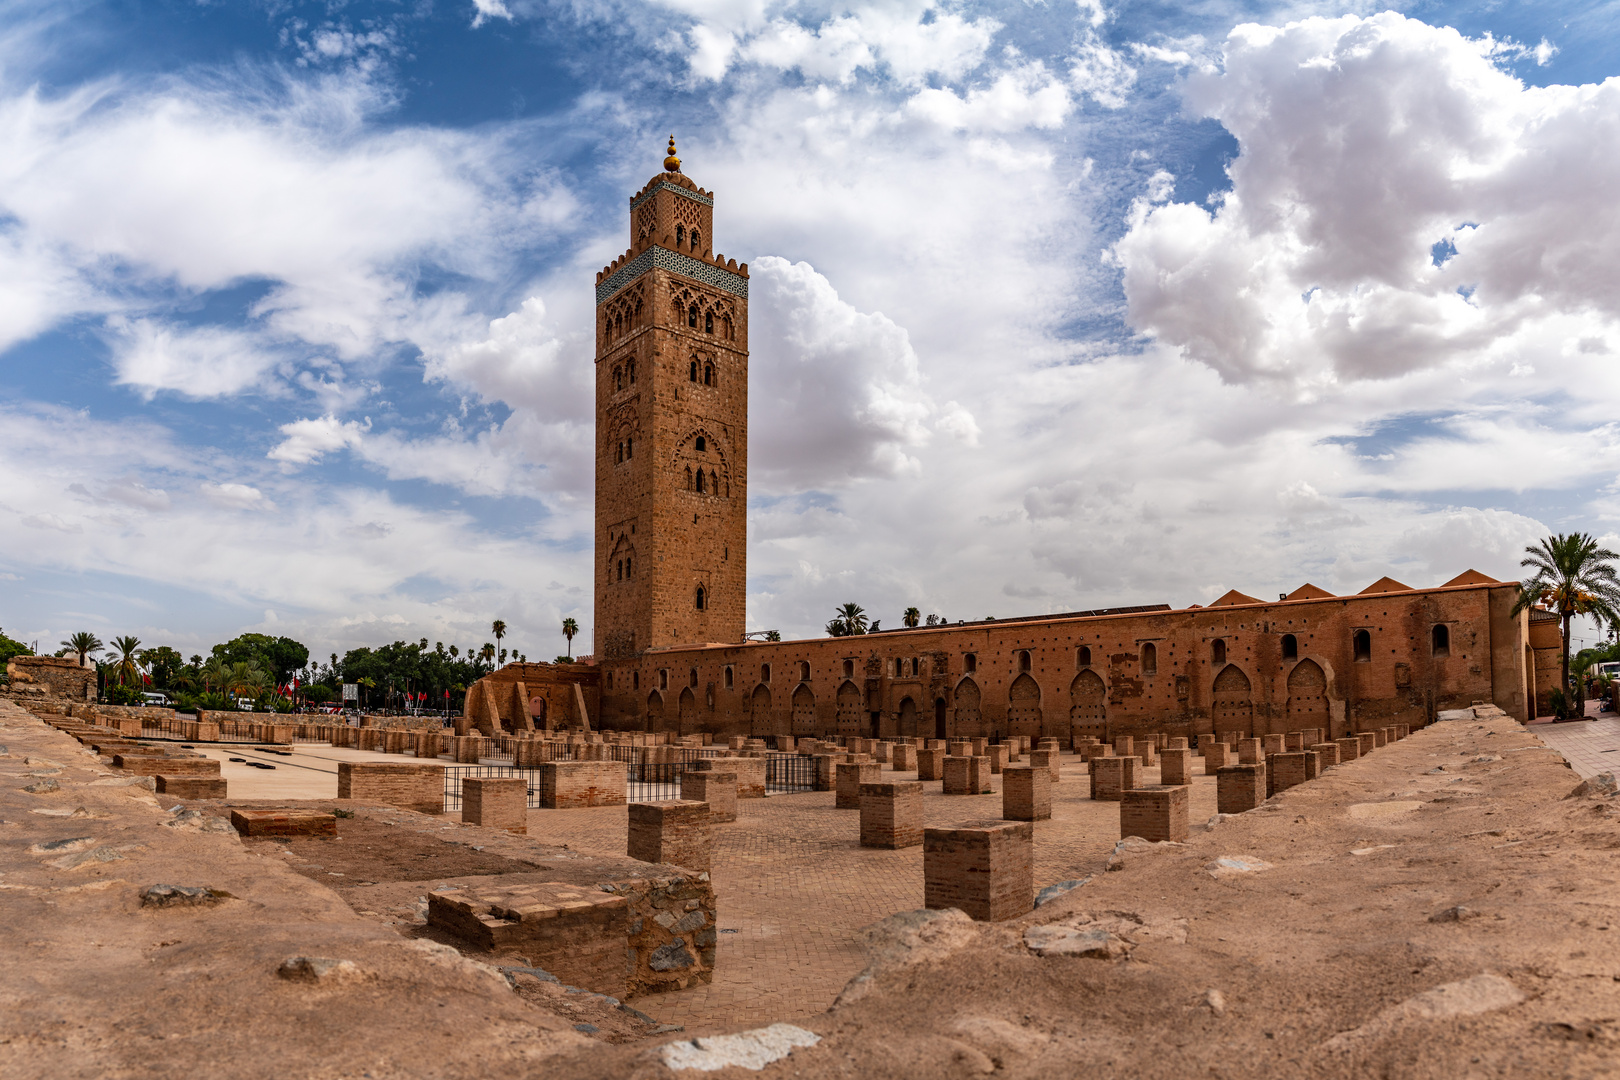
672	163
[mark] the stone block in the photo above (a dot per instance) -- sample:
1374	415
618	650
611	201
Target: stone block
154	765
580	934
369	738
1112	775
1294	740
904	759
411	785
882	753
469	748
1240	788
892	814
1175	766
675	832
1251	751
967	775
1313	764
1216	755
427	745
1092	751
1274	744
1349	748
496	802
1329	753
1048	760
1026	793
573	785
931	764
191	787
981	746
750	773
1402	730
1155	813
1125	746
1284	771
1368	741
851	775
284	822
986	870
718	789
999	756
396	741
1380	737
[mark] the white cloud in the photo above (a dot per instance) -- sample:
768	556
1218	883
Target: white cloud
1025	97
834	391
307	441
196	362
1100	72
484	10
236	496
1365	143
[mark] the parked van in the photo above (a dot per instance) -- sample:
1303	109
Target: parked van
155	700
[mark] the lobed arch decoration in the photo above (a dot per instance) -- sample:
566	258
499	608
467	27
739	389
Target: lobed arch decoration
1307	698
848	708
969	717
701	466
1088	705
1233	705
704	312
623	313
622	560
1024	707
759	712
804	711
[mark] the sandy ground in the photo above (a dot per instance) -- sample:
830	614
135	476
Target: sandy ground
1440	909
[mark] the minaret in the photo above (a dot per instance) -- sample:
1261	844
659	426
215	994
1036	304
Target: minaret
671	428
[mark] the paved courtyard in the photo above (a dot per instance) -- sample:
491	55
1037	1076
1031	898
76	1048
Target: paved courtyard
794	887
1591	746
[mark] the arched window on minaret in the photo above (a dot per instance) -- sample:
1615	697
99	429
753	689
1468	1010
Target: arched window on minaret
629	447
691	316
702	599
680	235
708	322
689	478
708	374
697	240
631	368
693	375
714	482
702	484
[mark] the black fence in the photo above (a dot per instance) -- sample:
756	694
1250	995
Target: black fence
789	772
644	781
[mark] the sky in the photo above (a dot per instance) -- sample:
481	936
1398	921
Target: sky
1054	306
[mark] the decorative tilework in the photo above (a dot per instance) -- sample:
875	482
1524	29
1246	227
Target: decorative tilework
675	263
677	189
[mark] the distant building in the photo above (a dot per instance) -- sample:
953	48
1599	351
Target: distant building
671	545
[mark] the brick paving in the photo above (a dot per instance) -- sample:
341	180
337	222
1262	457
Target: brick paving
1590	746
794	887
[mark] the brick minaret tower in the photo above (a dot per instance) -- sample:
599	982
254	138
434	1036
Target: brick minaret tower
671	428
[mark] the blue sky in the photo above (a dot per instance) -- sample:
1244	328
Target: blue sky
1055	305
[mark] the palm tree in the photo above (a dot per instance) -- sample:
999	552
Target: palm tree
853	616
1573	576
82	643
246	680
126	669
498	628
911	618
487	653
570	628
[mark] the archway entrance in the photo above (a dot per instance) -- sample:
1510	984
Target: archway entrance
1233	710
1088	705
1024	707
908	718
759	712
939	718
1307	698
804	711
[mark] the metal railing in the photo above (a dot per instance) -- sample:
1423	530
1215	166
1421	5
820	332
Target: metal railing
789	772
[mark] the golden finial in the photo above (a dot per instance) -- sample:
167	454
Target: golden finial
672	163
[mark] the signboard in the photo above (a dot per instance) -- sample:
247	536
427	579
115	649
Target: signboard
351	691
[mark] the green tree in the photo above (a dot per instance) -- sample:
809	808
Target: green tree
570	628
127	668
1572	576
498	628
83	643
163	664
911	618
10	648
277	657
850	619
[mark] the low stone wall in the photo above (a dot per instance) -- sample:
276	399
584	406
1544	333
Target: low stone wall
413	785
